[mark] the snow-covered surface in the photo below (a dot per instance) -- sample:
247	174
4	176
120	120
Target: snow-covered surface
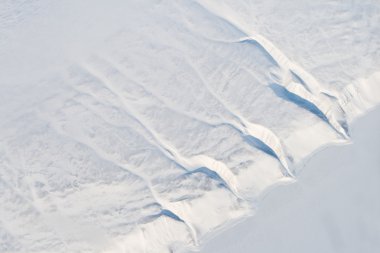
333	207
143	126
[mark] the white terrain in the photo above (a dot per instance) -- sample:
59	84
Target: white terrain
333	207
131	126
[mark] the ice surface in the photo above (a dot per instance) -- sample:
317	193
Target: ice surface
143	126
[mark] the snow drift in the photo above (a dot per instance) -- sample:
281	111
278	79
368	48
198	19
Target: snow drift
142	126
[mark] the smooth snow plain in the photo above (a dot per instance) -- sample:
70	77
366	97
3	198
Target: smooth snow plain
145	126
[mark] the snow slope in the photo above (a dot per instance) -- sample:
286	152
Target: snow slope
142	126
333	207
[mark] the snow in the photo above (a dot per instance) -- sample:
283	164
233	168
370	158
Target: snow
146	126
333	207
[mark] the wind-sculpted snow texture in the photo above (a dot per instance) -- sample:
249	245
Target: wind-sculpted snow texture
142	126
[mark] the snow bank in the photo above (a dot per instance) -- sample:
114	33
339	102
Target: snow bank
155	123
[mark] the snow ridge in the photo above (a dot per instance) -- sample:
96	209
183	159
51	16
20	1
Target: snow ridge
308	88
164	121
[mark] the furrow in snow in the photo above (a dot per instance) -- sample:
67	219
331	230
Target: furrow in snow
258	135
189	164
287	77
165	211
286	69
